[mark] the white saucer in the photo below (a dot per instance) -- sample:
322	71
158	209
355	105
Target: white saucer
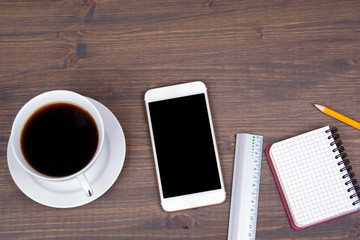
101	175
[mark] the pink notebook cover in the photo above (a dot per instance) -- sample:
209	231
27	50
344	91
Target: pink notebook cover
284	199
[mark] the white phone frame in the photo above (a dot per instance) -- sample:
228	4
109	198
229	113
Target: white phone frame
190	200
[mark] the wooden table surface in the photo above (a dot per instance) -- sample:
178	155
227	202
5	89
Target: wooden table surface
264	62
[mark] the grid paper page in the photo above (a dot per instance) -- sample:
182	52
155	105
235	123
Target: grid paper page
311	179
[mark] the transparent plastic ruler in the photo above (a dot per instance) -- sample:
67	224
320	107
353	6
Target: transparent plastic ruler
245	187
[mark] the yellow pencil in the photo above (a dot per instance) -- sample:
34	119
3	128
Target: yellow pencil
338	116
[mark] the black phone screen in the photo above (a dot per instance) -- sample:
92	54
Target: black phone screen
184	145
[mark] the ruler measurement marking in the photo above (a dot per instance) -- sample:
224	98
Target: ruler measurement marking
246	184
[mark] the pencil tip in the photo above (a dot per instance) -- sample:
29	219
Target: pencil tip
320	107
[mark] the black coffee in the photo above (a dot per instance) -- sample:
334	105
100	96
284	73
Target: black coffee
59	139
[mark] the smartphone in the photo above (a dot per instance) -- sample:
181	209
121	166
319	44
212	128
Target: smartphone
184	147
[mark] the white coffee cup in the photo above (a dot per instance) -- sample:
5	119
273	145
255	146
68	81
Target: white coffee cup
57	96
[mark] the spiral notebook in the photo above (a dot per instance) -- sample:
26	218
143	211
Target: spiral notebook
314	177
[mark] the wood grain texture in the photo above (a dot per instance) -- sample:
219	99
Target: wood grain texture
264	62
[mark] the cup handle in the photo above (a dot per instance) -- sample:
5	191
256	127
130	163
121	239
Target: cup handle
85	185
